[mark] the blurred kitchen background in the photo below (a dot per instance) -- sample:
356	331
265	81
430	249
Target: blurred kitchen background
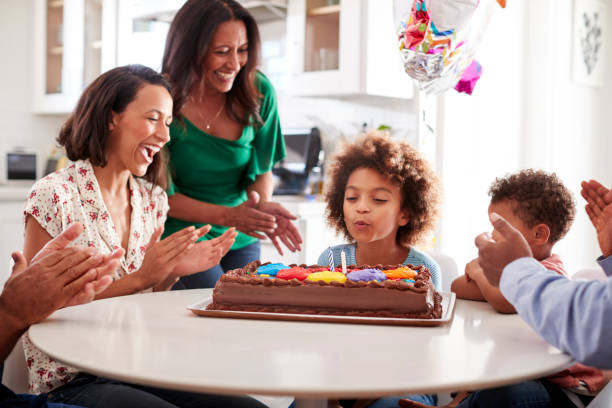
336	68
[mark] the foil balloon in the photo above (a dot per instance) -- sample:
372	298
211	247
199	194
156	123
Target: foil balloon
438	40
451	15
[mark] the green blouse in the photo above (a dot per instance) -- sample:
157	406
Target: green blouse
218	171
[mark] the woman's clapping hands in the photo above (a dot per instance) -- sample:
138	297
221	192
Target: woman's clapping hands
256	218
285	230
248	218
599	210
56	277
205	254
179	254
162	256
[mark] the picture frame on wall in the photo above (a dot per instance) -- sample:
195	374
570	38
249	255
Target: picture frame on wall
589	32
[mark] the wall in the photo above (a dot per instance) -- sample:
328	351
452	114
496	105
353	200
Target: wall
567	121
21	127
526	112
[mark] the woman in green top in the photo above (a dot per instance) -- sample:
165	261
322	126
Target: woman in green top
227	137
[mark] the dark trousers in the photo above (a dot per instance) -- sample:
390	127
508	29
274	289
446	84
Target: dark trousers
8	399
236	258
528	394
98	392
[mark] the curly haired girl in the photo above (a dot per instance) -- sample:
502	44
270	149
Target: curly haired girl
383	197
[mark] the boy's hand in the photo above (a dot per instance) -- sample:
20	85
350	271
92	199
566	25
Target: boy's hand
472	270
599	210
493	256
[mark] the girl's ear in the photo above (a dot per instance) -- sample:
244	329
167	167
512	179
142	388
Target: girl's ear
403	218
542	234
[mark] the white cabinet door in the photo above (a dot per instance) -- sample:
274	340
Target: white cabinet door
344	49
75	41
323	47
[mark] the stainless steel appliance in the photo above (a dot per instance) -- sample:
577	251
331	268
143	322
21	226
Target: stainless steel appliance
303	146
20	166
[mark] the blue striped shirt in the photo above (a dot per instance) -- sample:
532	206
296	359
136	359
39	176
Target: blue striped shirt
415	257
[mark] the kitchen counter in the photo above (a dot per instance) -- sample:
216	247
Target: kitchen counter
299	204
14	192
12	201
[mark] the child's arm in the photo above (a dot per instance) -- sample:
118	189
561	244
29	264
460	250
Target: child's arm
491	293
466	288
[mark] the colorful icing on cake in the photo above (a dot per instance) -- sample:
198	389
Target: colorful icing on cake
294	273
403	272
271	269
331	293
366	275
327	277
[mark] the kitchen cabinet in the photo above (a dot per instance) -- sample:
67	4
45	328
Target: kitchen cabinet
142	29
344	48
143	26
316	234
12	201
75	41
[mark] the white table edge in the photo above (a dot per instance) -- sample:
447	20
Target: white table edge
276	391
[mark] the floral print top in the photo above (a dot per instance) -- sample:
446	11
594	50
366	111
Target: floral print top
73	195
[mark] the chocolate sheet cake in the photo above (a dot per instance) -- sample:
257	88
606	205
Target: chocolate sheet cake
317	290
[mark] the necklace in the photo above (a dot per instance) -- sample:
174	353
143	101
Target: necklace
208	124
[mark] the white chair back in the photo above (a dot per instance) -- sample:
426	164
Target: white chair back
448	269
590	274
603	399
15	375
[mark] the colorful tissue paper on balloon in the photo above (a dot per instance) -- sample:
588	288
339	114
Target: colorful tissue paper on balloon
469	78
438	40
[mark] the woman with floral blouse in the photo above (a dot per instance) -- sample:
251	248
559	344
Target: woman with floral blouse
115	188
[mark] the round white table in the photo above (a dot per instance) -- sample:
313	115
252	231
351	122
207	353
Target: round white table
153	339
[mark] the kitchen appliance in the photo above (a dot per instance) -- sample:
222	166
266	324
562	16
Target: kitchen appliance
18	166
302	146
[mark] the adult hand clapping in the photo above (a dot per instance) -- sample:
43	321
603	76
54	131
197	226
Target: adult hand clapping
248	218
57	276
599	210
285	230
494	255
268	217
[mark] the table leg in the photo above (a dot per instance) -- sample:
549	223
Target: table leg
310	403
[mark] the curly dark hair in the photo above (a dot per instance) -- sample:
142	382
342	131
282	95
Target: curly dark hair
540	197
419	185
